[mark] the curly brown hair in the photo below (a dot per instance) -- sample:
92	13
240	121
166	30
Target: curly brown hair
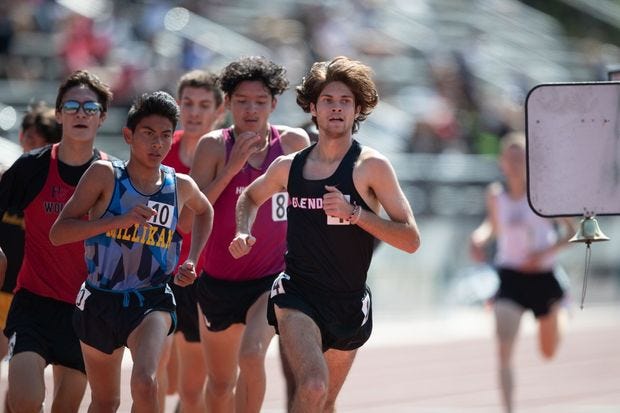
354	74
254	68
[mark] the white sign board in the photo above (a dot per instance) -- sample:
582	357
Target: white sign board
573	148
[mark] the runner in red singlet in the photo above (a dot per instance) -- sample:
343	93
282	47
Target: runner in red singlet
200	101
38	185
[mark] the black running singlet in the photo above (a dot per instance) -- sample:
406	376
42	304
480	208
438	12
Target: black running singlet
325	252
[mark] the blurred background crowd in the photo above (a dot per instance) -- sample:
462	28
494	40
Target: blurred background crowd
453	76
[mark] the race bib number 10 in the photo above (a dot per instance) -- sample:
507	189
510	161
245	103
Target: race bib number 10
164	216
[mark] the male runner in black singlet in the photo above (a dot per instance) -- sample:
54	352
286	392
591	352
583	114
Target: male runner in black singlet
320	304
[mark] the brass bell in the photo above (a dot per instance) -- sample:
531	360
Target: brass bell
589	231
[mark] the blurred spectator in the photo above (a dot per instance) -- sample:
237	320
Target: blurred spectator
125	84
326	30
81	46
127	44
44	14
6	30
455	119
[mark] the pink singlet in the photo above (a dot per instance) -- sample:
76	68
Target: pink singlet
267	255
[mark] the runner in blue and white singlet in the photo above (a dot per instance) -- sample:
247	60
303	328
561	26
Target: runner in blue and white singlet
119	259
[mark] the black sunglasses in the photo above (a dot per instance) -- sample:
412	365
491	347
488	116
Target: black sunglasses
89	107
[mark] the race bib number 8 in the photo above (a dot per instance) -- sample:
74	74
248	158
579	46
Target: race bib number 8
279	202
164	216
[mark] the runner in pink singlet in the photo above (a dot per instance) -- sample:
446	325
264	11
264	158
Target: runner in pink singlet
233	293
270	223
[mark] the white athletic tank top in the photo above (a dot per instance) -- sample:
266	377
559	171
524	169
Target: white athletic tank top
521	232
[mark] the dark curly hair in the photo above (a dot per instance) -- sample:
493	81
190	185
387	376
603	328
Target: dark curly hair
85	78
354	74
254	68
155	103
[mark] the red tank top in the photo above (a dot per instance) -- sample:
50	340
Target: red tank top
174	160
49	271
267	255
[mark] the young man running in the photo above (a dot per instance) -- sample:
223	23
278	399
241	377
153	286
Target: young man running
132	249
233	293
39	320
320	305
200	103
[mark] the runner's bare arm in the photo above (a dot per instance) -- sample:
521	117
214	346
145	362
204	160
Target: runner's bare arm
97	181
400	230
274	180
292	139
202	210
487	230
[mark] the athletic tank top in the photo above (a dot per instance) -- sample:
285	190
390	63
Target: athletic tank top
142	256
267	255
174	160
47	270
325	252
520	232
